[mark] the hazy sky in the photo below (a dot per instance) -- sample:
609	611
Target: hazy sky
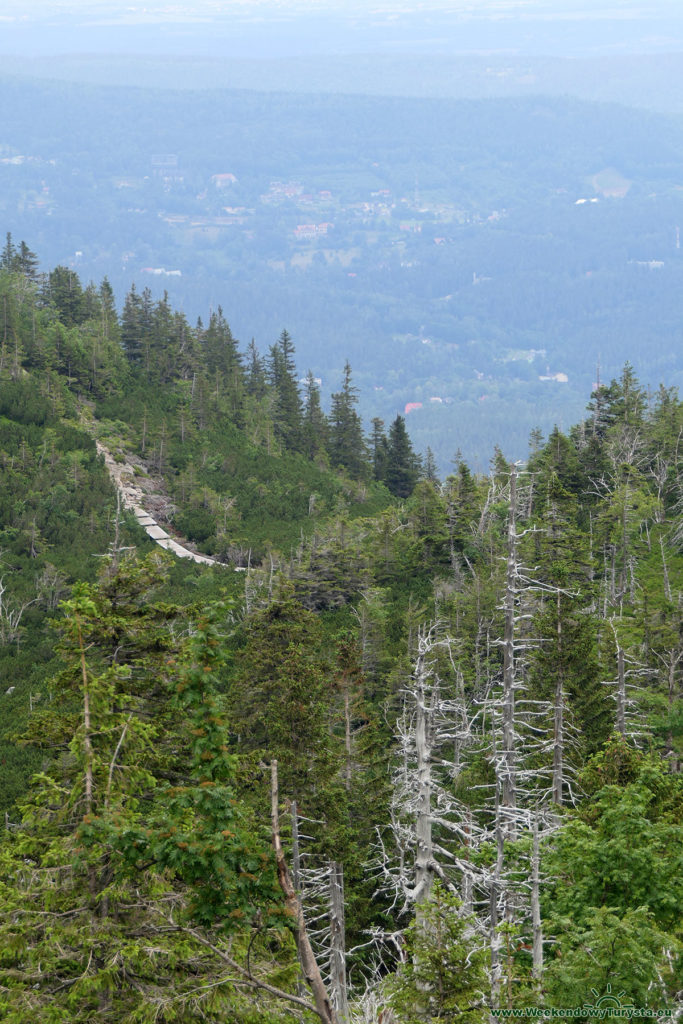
281	28
566	9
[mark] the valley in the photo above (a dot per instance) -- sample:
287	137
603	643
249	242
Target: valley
419	239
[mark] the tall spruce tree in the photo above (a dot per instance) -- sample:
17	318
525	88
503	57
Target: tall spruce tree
26	262
402	468
256	382
378	448
315	425
132	327
286	711
64	292
347	444
288	413
224	364
9	253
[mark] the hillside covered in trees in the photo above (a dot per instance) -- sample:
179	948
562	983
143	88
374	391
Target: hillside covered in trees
410	751
476	255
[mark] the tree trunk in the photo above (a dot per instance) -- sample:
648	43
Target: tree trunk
537	954
558	730
347	735
494	937
467	896
296	857
87	728
665	573
310	968
425	852
621	692
338	942
509	794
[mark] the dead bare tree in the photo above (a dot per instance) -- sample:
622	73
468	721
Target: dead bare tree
11	614
309	965
431	830
670	659
528	746
322	900
443	728
625	692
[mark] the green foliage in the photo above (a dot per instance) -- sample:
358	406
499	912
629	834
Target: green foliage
56	514
287	709
144	834
109	867
21	402
347	446
401	465
287	413
626	850
611	951
617	887
443	975
202	836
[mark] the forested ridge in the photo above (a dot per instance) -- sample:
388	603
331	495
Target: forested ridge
474	255
420	759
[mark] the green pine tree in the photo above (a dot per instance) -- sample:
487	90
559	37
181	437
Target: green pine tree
347	444
402	467
443	974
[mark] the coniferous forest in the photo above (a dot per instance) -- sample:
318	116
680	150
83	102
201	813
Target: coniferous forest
408	750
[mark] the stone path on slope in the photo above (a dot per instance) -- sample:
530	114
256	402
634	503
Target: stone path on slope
123	475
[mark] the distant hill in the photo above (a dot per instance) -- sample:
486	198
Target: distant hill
451	250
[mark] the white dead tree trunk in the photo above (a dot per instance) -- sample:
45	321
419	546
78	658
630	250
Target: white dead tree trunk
424	853
431	832
670	660
495	884
527	750
338	942
665	572
621	691
529	727
509	782
558	715
525	741
10	617
309	965
628	718
537	927
321	895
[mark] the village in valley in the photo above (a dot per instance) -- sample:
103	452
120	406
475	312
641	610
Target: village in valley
444	270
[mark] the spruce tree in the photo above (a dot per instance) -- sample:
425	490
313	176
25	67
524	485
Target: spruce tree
9	253
136	881
315	425
256	383
378	448
132	327
64	292
288	409
224	364
347	444
110	323
443	973
282	704
402	464
26	262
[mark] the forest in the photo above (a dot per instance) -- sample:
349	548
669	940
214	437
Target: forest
409	751
460	253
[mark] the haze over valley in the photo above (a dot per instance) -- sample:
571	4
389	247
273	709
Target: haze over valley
341	511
